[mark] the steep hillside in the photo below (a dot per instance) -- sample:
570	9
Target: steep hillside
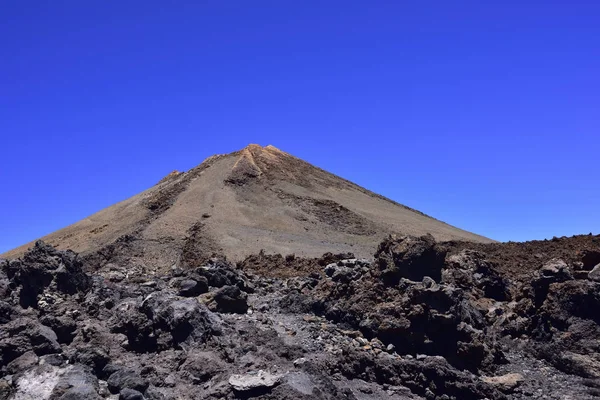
238	204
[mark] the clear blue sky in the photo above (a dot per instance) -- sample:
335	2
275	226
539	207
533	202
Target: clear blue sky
483	114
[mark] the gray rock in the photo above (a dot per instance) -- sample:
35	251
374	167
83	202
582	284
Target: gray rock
193	287
428	282
24	334
76	383
248	382
130	394
163	320
152	393
5	389
230	299
125	379
506	383
590	259
594	274
409	257
554	267
22	363
36	383
52	359
330	269
201	366
6	312
343	274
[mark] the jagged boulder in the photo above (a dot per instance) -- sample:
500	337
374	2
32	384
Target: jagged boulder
193	287
25	334
126	379
162	321
219	273
567	327
45	267
594	274
590	259
229	299
201	366
409	257
77	382
260	381
471	271
554	271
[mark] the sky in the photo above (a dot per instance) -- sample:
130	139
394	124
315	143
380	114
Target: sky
485	115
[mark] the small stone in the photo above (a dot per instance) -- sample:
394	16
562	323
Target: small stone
52	359
594	274
103	389
428	282
299	361
390	348
506	383
170	380
553	268
115	276
246	382
192	288
130	394
152	393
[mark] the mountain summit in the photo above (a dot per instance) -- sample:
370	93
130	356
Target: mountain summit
257	198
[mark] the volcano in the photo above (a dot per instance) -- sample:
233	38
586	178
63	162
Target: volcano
182	292
233	205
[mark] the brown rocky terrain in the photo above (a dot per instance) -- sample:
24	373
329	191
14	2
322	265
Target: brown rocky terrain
256	275
238	204
420	319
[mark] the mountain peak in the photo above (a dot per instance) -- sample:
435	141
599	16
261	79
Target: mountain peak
237	204
253	147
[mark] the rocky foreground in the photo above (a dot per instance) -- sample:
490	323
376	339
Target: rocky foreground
422	320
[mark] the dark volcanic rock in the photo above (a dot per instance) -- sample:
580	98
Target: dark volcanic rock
229	299
201	366
161	321
410	257
130	394
22	363
7	312
590	258
193	287
567	327
220	273
64	327
413	324
43	266
126	379
76	383
24	334
594	274
469	270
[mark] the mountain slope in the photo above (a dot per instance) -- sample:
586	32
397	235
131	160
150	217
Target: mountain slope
239	203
